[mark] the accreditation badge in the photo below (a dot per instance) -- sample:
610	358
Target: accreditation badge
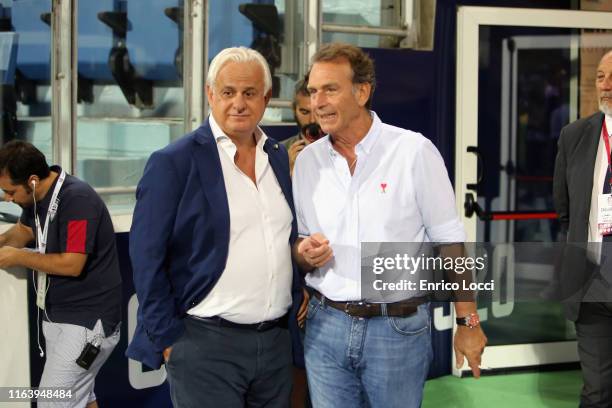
604	214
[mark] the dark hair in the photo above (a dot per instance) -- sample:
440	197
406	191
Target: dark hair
361	63
19	160
301	88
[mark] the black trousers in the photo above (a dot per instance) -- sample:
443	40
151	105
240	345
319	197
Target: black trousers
594	334
213	366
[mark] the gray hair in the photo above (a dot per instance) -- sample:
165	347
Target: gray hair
238	54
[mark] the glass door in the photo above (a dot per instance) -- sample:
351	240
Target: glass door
522	74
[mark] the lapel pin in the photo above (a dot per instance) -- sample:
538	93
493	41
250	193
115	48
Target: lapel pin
275	146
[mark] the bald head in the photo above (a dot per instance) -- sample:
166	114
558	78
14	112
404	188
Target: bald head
606	56
603	83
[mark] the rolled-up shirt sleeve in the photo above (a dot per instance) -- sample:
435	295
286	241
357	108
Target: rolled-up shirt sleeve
435	196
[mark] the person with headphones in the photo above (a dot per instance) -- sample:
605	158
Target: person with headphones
78	283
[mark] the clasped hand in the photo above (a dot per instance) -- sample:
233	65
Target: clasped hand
315	250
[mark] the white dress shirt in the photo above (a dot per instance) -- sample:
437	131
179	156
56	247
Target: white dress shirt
400	192
255	285
599	174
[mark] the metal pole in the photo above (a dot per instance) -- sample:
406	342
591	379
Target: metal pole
64	82
312	20
351	29
194	62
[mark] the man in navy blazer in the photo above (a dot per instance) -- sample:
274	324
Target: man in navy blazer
210	246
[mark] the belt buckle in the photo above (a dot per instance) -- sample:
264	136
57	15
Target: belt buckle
261	326
347	308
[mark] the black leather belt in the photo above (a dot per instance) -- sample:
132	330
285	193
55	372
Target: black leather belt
404	308
260	327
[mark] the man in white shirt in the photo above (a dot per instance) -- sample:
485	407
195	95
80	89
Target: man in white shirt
368	182
582	182
211	251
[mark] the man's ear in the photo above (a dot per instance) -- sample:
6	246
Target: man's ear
364	91
33	181
268	96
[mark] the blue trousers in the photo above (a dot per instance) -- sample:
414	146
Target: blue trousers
212	366
375	362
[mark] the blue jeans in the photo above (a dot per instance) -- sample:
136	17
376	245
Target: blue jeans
377	362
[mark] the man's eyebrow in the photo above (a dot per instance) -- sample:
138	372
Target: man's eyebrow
329	85
323	86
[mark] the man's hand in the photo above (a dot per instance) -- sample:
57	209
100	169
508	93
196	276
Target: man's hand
303	312
315	250
469	343
294	150
8	257
166	354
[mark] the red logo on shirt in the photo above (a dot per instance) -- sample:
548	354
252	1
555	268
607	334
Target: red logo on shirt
77	236
383	187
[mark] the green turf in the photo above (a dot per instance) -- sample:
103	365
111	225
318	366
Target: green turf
548	389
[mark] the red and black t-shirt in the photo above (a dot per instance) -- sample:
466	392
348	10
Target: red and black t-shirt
82	225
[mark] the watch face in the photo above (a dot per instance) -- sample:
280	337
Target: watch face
472	320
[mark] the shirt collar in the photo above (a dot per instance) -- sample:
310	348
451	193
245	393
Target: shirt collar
367	143
226	143
608	120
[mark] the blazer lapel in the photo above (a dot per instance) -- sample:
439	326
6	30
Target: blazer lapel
591	136
207	161
281	171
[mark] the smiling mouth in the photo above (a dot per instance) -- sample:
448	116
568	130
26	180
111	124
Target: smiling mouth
326	116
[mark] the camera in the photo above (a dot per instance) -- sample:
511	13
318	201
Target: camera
313	132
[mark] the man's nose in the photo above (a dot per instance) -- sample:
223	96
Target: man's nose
239	102
317	100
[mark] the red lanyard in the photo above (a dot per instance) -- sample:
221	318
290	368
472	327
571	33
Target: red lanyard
606	138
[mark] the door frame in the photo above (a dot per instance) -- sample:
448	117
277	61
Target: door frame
469	20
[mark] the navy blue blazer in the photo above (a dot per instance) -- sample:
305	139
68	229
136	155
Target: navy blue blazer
180	236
